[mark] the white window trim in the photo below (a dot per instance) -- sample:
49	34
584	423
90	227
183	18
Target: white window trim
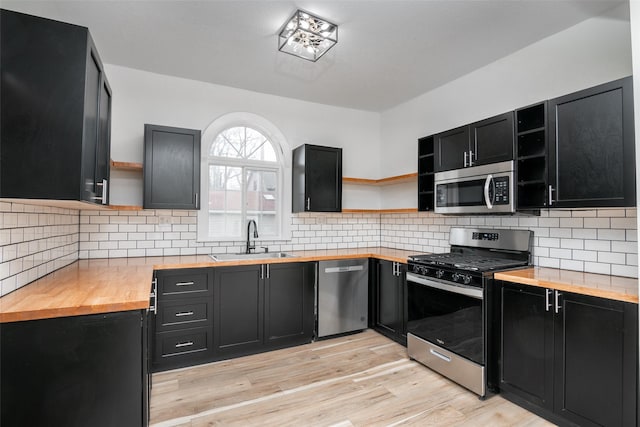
283	151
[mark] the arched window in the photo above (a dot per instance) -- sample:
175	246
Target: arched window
244	170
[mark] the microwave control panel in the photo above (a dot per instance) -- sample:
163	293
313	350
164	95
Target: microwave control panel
501	190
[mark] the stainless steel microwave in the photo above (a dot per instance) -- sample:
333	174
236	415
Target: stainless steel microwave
482	189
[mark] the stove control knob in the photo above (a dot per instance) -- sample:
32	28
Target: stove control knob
455	277
467	279
439	274
415	268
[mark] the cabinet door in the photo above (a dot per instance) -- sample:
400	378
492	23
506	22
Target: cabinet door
74	371
492	140
389	307
238	298
595	361
591	147
526	367
171	168
41	133
451	147
103	150
289	303
323	179
91	126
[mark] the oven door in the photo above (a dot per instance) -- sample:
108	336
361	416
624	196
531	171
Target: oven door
448	315
482	189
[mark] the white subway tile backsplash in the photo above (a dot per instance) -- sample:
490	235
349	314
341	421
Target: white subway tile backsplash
34	241
610	234
624	270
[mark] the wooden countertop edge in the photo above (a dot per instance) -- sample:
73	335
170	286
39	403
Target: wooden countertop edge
232	263
50	313
567	287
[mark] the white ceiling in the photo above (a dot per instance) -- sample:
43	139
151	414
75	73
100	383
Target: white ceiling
388	51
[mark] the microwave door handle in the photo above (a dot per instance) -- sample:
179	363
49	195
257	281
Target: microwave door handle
487	184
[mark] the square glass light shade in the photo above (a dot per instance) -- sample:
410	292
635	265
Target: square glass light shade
307	36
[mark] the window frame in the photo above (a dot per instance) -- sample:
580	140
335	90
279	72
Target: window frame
282	166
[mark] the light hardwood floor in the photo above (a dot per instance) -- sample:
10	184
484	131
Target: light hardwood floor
357	380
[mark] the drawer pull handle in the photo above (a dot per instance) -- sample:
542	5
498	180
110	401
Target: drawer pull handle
184	283
184	313
184	344
439	355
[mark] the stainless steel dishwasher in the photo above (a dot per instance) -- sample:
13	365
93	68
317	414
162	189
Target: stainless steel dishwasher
343	296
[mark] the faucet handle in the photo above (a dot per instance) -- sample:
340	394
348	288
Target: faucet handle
266	249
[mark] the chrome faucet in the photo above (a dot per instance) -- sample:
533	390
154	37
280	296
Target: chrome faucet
255	235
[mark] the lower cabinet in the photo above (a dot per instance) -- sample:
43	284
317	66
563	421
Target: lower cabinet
262	307
75	371
183	322
389	294
208	314
568	357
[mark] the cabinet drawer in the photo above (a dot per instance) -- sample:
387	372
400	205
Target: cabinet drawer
183	348
183	283
184	313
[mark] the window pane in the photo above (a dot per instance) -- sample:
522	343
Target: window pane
262	202
225	201
243	143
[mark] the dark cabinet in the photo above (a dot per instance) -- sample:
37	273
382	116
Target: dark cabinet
426	198
569	357
183	318
239	310
317	179
262	307
171	168
592	147
55	112
289	304
75	371
487	141
390	300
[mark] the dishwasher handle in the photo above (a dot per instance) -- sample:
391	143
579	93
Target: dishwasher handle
344	269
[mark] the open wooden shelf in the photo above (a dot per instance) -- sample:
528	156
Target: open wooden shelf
125	207
399	179
126	166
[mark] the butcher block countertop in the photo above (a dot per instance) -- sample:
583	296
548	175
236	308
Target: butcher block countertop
598	285
121	284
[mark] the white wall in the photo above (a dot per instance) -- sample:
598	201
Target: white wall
592	52
141	97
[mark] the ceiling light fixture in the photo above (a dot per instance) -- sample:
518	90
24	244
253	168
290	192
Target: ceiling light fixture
307	36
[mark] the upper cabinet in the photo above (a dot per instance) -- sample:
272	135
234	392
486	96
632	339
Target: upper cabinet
171	168
317	179
55	112
591	147
480	143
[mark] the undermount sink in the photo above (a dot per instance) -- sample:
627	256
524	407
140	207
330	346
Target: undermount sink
260	255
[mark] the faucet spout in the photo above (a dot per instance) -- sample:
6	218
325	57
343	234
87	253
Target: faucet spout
255	235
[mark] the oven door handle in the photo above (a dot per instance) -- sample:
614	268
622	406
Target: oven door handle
469	291
487	197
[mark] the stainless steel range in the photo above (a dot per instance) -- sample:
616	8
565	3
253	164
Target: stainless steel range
448	326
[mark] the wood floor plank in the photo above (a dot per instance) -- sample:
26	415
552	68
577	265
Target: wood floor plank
357	380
